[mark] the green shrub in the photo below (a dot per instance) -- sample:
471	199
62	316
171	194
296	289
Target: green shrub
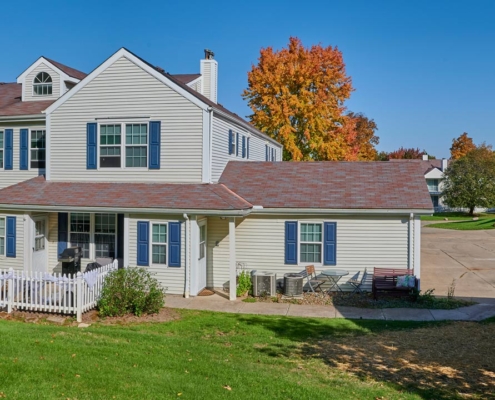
130	291
244	283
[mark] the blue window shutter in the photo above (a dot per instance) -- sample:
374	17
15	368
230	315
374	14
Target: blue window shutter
143	243
266	153
9	149
120	236
63	232
291	242
91	143
247	145
11	232
237	144
231	139
244	147
154	145
330	243
24	149
174	244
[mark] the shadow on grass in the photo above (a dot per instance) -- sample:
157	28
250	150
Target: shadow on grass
433	360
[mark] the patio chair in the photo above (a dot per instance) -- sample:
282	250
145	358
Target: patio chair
310	274
356	283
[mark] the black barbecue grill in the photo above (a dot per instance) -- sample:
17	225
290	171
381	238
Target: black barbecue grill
71	260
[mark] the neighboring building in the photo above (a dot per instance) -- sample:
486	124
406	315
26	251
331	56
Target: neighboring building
133	163
433	172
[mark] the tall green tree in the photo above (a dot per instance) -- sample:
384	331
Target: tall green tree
469	182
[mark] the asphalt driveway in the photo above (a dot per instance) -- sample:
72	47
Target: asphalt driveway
466	256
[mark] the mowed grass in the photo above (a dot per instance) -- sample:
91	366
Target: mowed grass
454	216
202	355
482	223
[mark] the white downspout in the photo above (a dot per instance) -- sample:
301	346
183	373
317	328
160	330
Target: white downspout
187	266
411	238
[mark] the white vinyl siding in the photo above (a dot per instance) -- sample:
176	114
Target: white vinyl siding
2	236
362	242
122	92
172	278
220	145
14	176
16	262
29	81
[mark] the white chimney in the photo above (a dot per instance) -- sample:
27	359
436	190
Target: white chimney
209	73
425	157
444	164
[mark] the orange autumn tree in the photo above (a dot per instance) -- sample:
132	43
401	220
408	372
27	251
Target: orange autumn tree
365	136
297	96
461	146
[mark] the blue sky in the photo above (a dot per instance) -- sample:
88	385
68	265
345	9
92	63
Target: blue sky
424	70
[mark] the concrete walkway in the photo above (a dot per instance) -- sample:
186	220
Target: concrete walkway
218	303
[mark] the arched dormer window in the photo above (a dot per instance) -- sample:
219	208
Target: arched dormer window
42	85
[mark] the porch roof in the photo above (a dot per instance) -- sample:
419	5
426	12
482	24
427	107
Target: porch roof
329	185
38	192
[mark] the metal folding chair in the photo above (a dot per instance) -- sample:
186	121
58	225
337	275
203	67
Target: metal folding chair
310	274
356	283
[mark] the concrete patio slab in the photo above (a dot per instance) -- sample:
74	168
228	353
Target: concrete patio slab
358	313
407	314
296	310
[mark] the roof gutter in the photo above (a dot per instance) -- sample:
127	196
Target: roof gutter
23	118
222	213
342	211
247	125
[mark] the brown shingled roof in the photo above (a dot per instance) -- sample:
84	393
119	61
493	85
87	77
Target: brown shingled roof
425	165
329	185
39	192
11	104
74	73
186	78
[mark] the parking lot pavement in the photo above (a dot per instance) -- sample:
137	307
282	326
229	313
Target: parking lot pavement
468	257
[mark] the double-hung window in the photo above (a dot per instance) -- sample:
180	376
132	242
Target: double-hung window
129	152
38	148
110	146
80	232
105	231
233	143
1	149
159	243
311	242
2	236
136	145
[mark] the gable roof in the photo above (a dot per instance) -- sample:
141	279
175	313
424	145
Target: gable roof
172	80
329	185
72	72
167	196
11	103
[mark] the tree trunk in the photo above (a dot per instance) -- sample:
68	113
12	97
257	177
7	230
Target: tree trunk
471	210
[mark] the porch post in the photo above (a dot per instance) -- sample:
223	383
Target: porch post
417	249
232	260
125	261
192	283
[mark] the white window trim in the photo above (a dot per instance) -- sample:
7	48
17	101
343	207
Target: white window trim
92	226
5	236
204	243
151	244
2	149
299	242
29	149
34	83
234	143
123	146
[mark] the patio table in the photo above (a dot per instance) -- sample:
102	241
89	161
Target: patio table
333	276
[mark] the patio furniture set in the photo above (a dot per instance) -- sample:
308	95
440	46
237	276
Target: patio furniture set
332	276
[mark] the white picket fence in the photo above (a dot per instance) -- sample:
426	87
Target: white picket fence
55	293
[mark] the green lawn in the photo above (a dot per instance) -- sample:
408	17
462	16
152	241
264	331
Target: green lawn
199	356
455	216
482	223
206	355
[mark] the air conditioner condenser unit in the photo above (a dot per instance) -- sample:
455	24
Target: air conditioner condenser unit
264	283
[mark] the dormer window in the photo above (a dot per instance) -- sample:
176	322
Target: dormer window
42	85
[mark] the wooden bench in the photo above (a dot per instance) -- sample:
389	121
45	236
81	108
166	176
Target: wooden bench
385	281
